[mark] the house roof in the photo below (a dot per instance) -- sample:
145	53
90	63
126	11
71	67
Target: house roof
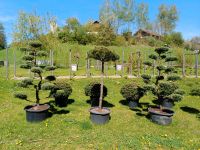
148	32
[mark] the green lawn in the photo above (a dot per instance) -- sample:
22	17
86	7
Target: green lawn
70	127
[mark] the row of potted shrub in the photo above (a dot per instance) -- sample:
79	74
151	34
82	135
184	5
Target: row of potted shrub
164	89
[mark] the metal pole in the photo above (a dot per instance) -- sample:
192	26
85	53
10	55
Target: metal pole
87	65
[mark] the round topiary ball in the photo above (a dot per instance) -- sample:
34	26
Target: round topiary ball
63	85
20	95
132	92
93	90
48	86
37	70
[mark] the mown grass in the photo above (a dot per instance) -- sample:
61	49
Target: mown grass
70	127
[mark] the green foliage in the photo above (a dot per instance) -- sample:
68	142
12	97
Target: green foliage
50	68
148	63
25	66
42	53
48	86
149	88
173	78
103	54
25	83
180	92
161	50
93	90
153	56
165	89
35	44
161	68
171	59
174	38
37	70
2	37
132	92
20	95
167	17
146	78
106	35
28	58
62	85
175	97
169	69
119	41
195	91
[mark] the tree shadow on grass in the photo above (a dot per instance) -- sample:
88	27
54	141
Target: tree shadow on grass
56	110
123	102
190	110
96	103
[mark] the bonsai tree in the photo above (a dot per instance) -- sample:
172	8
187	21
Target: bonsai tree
93	90
132	93
104	55
164	86
62	92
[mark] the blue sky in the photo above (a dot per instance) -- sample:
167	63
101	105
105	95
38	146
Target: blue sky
188	24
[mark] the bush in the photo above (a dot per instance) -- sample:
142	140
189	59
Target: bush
195	92
120	41
50	68
28	81
25	83
37	70
166	89
148	63
93	90
175	97
28	58
25	66
180	92
61	98
62	85
20	96
173	78
132	92
153	56
48	86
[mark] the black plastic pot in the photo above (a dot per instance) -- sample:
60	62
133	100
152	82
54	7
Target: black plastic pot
99	117
167	104
61	101
36	115
133	104
161	116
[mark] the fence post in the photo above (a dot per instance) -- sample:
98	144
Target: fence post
144	64
122	62
183	64
14	63
70	61
131	66
196	62
7	64
87	65
138	63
